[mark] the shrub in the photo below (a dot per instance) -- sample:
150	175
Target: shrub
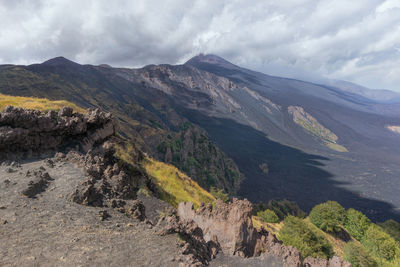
379	243
297	233
392	228
356	223
328	216
219	193
358	256
282	208
268	216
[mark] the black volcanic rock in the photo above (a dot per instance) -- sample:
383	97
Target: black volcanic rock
59	61
29	132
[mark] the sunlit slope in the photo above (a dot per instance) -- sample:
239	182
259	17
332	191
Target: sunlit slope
174	185
41	104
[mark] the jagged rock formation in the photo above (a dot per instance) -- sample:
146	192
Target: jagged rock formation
229	225
30	133
111	182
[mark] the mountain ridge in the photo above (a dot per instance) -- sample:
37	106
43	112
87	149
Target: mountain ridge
243	114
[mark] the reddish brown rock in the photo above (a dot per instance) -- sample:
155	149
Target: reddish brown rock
229	223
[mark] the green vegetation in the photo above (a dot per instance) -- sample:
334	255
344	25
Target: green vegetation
219	194
357	255
336	147
174	186
192	151
356	223
313	127
328	216
282	208
268	216
392	228
41	104
380	244
297	233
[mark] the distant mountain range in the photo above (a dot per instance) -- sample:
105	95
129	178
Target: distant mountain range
248	133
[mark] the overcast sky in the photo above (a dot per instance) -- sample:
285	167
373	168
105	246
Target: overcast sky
354	40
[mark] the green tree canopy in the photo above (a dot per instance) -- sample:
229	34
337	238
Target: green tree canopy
358	256
379	243
268	216
356	223
297	233
328	216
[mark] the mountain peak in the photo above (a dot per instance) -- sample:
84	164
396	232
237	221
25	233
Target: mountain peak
209	59
59	61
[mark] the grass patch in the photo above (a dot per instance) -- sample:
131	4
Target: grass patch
42	104
174	185
336	147
270	227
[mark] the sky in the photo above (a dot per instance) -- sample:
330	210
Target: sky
352	40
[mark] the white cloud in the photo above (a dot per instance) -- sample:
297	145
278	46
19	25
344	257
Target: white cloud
353	40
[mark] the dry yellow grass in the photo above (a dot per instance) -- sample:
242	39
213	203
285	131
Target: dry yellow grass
270	227
41	104
176	186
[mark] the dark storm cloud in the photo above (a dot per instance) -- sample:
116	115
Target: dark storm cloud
352	40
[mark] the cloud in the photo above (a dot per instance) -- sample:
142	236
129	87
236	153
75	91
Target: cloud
357	41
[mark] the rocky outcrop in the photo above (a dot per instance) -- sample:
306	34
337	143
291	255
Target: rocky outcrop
196	250
26	132
229	225
111	182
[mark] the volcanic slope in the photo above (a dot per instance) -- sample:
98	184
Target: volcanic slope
290	139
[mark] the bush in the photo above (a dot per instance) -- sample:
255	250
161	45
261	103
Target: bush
297	233
379	243
328	216
358	256
282	208
268	216
392	228
356	223
219	193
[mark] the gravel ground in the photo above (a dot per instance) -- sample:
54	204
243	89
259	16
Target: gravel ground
49	230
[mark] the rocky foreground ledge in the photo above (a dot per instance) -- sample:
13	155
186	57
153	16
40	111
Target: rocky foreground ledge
30	133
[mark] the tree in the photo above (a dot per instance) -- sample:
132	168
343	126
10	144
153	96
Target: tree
299	234
379	243
328	216
392	228
356	223
268	216
358	256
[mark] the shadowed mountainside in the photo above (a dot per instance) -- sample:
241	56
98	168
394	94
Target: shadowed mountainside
201	115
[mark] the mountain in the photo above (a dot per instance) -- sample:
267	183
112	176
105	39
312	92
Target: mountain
248	133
